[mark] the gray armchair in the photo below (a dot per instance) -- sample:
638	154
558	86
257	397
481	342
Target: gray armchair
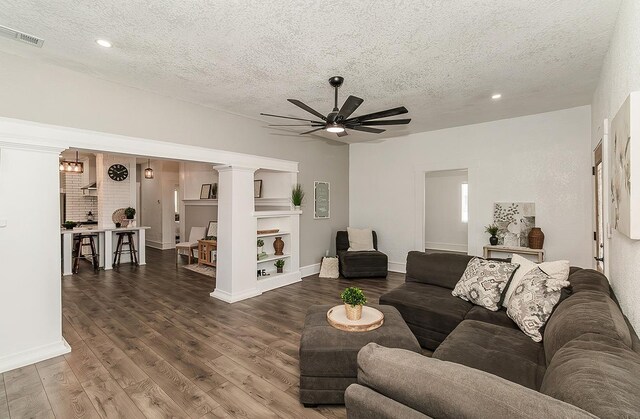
360	264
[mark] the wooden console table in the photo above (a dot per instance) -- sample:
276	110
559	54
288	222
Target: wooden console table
539	253
205	249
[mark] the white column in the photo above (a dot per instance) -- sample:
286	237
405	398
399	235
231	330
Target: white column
236	265
142	249
30	289
67	254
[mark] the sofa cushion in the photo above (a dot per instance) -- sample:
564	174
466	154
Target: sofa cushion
360	239
558	270
442	269
505	352
584	312
533	301
499	318
430	311
483	282
598	374
589	280
363	264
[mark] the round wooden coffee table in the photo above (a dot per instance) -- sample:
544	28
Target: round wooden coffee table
371	319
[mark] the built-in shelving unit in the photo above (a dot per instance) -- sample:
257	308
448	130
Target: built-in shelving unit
201	202
288	222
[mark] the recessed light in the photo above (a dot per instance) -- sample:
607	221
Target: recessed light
496	96
103	43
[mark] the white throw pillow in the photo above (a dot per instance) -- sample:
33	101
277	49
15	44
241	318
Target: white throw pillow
360	239
558	271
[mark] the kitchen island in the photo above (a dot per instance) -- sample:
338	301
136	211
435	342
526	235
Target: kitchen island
105	242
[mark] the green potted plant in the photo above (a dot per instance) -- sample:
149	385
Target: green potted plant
297	195
353	299
493	230
279	265
260	245
130	213
69	225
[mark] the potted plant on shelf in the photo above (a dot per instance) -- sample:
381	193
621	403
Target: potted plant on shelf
69	225
130	213
353	299
279	265
260	245
493	230
297	195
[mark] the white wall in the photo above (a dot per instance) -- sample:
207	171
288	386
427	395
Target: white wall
444	229
46	93
620	76
156	204
113	195
544	158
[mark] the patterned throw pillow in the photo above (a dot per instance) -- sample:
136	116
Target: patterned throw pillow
483	281
533	300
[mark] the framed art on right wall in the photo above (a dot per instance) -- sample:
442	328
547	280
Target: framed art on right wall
321	200
624	168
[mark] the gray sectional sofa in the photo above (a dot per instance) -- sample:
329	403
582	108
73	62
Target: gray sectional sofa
588	364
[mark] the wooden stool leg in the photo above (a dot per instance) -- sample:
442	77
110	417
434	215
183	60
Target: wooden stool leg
94	255
117	252
76	255
132	249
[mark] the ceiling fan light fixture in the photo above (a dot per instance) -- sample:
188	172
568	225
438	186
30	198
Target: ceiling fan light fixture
335	128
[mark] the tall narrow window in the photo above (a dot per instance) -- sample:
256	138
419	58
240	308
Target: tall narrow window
175	201
464	194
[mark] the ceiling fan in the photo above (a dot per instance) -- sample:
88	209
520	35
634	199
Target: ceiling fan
338	121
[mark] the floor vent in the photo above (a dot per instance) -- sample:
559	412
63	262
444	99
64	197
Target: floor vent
21	36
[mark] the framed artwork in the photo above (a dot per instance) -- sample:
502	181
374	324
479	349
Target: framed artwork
624	160
257	188
205	191
212	229
321	200
514	221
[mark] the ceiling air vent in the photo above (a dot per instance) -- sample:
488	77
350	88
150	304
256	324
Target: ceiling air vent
21	36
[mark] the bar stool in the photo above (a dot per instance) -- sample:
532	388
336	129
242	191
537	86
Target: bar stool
78	247
125	238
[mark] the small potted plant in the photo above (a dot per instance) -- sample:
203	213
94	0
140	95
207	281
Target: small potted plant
493	230
69	225
260	245
279	265
353	299
130	213
297	195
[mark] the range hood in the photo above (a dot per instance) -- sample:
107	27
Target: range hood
91	187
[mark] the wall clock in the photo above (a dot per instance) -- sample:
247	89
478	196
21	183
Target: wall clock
118	172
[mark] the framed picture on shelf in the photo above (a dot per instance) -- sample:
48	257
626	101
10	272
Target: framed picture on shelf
257	188
321	200
212	229
205	191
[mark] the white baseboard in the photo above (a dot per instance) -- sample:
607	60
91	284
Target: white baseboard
31	356
229	298
160	245
309	270
400	267
449	247
280	280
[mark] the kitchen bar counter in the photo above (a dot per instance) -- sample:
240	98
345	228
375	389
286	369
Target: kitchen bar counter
105	242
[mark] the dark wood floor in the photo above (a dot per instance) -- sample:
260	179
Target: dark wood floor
151	342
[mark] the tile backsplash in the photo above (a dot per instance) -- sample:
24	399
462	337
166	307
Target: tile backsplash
78	205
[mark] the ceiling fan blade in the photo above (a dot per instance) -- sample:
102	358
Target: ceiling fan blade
376	115
388	122
296	125
307	108
290	117
343	133
367	129
350	105
313	130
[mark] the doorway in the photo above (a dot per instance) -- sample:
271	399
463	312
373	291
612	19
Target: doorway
598	235
446	211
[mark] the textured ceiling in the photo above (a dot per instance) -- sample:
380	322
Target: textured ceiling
442	59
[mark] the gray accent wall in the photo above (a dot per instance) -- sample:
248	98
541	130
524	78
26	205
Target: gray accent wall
46	93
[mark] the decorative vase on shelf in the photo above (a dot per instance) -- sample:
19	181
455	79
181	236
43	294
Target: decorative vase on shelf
259	249
353	312
297	207
536	238
278	246
493	240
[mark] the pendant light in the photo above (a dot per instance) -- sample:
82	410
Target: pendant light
72	166
148	172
